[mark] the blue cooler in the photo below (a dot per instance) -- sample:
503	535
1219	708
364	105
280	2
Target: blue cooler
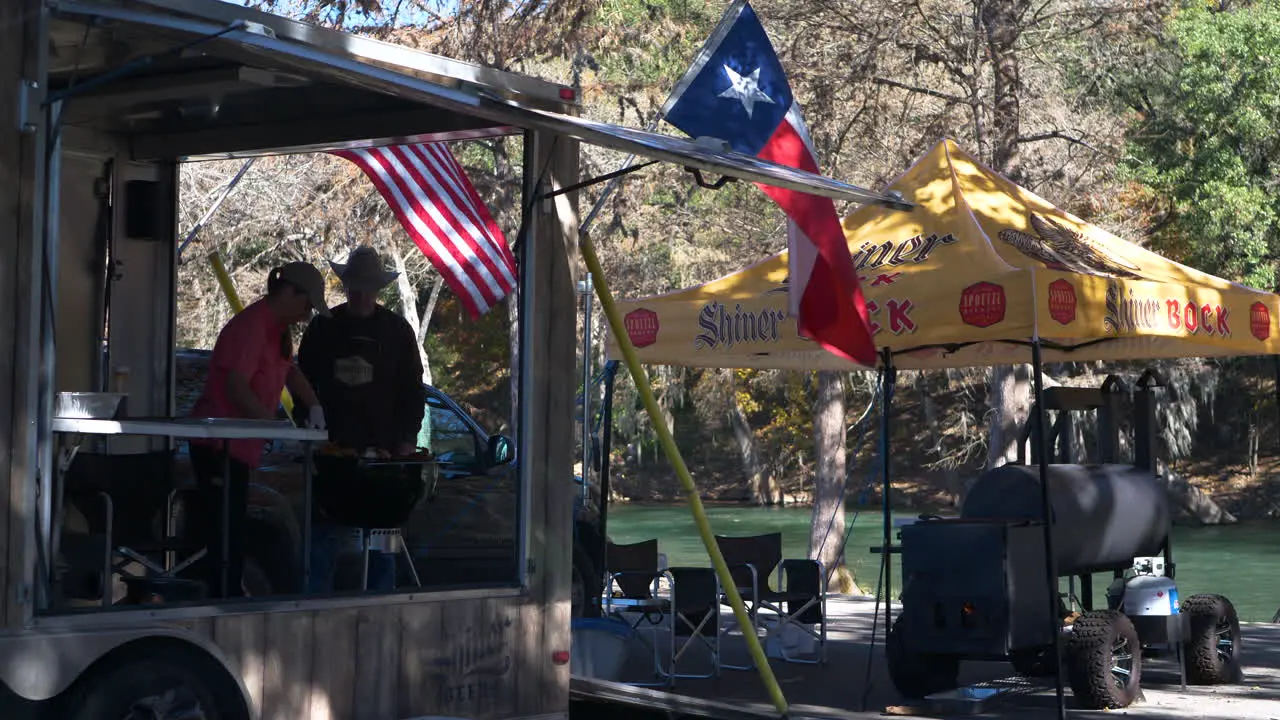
599	647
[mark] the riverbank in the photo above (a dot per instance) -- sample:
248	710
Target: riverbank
1238	561
1248	496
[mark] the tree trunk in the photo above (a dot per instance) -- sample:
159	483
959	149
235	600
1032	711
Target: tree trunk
826	532
950	477
513	335
425	324
1000	24
1195	501
745	439
409	309
1010	386
1010	405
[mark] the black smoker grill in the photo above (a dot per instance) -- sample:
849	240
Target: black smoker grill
974	587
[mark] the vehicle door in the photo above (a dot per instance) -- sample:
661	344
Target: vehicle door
469	523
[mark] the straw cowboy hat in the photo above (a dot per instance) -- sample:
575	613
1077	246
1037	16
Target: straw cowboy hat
363	270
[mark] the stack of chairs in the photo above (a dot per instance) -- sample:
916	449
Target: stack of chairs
689	613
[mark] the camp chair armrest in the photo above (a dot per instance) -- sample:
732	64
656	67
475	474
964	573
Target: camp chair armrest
803	575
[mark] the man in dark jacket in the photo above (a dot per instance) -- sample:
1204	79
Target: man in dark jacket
365	366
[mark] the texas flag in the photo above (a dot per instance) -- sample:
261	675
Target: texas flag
736	91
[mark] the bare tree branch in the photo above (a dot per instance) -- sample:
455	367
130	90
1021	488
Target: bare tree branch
923	91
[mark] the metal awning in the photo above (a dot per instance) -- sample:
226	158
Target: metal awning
257	45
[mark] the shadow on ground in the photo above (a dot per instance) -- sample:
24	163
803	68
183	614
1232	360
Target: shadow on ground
843	688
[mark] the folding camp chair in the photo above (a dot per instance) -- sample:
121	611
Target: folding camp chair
633	581
799	602
128	491
632	587
695	619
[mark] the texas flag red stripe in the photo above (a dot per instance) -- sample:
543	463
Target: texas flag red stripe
833	311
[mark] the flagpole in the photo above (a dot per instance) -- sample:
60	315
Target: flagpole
668	443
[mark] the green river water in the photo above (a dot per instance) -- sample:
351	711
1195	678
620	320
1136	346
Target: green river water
1238	561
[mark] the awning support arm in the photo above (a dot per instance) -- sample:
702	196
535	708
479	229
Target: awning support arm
598	179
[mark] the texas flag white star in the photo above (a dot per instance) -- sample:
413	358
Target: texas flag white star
746	88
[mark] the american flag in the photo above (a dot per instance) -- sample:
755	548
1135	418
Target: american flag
737	91
430	194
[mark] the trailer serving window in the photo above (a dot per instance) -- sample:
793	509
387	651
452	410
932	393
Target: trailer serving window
137	87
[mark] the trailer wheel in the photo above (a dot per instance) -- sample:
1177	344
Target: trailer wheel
1211	655
160	682
916	675
1034	662
1104	660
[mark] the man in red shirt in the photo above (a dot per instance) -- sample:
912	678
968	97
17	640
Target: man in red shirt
251	365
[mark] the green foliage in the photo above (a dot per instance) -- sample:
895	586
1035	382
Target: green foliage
1207	140
652	42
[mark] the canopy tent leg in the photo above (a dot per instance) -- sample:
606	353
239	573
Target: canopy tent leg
888	380
1040	437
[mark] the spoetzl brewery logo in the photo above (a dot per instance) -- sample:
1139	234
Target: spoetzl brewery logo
1130	312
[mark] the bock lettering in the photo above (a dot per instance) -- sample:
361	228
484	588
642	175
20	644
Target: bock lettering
900	317
897	315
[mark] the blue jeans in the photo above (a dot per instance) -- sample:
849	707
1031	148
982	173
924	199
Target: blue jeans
326	541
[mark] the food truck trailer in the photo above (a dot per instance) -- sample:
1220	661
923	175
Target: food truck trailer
103	100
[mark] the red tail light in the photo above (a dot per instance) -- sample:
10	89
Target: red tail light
560	657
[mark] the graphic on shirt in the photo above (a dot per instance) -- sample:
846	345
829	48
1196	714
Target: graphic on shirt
353	371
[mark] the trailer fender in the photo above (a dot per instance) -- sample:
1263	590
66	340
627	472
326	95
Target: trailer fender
40	664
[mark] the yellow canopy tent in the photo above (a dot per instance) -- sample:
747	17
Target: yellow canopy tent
966	279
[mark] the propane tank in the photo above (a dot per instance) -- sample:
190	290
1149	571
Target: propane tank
1150	595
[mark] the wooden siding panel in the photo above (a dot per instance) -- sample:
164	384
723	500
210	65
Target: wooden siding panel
243	640
333	664
287	676
379	636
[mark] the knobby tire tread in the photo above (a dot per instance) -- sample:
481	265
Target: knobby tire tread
1089	660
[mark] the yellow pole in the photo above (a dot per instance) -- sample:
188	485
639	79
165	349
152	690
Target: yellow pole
233	298
686	480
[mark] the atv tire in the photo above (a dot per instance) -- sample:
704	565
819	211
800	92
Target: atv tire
1104	660
1212	652
916	675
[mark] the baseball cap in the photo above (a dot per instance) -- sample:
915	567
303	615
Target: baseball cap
307	278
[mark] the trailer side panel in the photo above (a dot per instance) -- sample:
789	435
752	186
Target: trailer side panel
23	57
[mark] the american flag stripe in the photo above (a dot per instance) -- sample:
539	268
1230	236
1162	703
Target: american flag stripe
445	218
429	193
466	204
430	205
382	169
